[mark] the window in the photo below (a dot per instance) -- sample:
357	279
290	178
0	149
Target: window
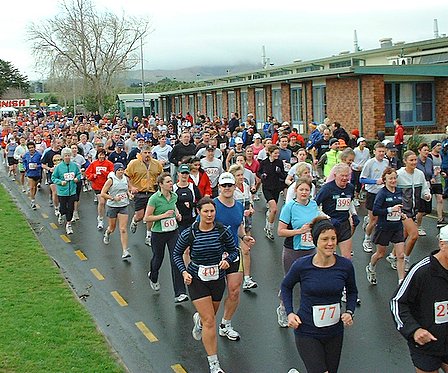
219	105
244	105
296	105
176	104
319	104
231	105
277	104
191	107
412	102
200	105
260	112
209	103
184	105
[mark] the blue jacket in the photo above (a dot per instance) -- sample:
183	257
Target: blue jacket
315	136
32	164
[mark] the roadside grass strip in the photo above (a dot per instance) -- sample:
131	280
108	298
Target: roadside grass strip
44	327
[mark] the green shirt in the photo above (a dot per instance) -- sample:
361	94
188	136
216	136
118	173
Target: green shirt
162	205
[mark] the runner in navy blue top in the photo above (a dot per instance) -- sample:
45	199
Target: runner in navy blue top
319	322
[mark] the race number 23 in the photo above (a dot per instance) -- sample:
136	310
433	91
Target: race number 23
441	312
326	315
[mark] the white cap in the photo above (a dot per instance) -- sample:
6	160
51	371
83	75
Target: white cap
239	140
226	178
443	235
360	139
257	136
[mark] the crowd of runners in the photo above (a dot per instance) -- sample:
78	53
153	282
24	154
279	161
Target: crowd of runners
192	184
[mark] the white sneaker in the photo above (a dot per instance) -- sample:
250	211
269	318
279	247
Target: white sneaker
356	202
228	331
197	328
95	198
75	215
148	241
181	298
68	228
268	234
293	370
407	264
33	204
215	367
371	275
56	211
421	232
154	285
249	284
60	219
106	237
282	317
133	226
23	190
392	261
365	222
126	255
100	225
367	246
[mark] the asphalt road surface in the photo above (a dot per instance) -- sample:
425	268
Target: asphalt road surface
152	334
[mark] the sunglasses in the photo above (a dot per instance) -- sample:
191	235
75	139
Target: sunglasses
227	185
185	173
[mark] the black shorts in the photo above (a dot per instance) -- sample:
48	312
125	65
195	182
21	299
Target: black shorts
344	231
201	289
35	178
369	201
271	195
78	190
12	160
383	238
436	189
236	266
112	212
141	200
427	363
425	206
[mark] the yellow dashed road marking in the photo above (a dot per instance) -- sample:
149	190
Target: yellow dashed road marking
146	332
81	255
65	238
97	274
45	216
119	298
178	368
53	225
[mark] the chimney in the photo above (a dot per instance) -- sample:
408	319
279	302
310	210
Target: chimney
355	42
436	29
386	42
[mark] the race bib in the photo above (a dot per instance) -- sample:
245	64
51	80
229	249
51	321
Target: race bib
286	166
208	273
68	176
168	224
222	146
393	216
326	315
307	239
122	196
441	312
100	169
32	166
343	204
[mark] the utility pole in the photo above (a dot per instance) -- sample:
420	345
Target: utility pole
143	77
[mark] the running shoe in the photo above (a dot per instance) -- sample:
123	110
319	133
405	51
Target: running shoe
282	317
407	264
228	331
256	197
268	234
75	215
60	219
249	284
293	370
133	226
95	198
421	232
215	367
23	190
84	188
56	211
100	225
392	261
33	205
68	228
197	328
148	241
365	222
367	246
106	237
356	202
441	223
154	285
371	275
126	255
50	202
181	298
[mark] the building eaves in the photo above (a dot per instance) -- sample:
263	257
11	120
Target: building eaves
440	70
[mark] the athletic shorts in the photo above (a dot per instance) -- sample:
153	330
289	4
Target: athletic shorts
344	231
141	200
112	212
425	206
35	178
271	195
369	201
236	266
427	363
436	189
12	160
201	289
383	238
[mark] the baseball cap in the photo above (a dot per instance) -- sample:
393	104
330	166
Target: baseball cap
120	144
239	140
443	235
360	139
117	166
333	141
183	168
434	143
342	143
257	136
227	178
210	147
391	146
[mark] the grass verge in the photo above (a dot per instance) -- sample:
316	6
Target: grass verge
43	327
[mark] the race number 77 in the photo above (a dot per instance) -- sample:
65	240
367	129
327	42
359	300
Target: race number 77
331	309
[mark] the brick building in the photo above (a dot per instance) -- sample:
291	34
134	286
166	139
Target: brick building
363	89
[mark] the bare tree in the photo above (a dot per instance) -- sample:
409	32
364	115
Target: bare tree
89	44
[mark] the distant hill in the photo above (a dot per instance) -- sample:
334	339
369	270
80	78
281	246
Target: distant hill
187	74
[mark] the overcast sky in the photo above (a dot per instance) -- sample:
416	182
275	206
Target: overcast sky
190	33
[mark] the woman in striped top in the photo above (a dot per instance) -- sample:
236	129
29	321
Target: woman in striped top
212	250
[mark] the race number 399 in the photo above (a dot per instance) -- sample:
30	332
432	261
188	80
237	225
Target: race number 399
441	312
326	315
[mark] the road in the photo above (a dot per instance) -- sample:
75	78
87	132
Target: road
152	334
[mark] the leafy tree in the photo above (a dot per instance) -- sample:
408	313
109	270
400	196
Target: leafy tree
91	45
10	78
